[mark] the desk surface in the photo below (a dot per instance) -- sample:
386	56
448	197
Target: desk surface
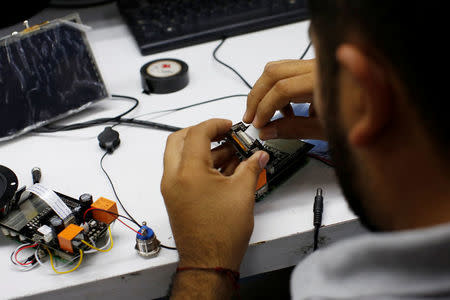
70	164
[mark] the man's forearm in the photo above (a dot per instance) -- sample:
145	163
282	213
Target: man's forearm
200	284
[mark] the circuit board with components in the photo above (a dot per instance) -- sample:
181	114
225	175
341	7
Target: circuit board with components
286	156
34	215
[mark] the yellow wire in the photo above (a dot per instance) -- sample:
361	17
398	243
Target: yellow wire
64	272
81	254
101	250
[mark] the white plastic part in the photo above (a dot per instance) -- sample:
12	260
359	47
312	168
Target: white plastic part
46	232
5	231
53	200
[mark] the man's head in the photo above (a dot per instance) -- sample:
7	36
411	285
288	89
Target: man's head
380	93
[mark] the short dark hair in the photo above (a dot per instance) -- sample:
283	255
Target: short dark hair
409	35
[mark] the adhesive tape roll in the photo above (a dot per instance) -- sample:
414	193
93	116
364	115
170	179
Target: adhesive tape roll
164	76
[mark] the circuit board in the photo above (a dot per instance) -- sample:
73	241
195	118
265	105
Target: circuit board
31	218
286	156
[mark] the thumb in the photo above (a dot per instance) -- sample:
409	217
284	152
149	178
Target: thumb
248	171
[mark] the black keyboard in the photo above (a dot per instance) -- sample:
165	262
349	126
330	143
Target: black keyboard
160	25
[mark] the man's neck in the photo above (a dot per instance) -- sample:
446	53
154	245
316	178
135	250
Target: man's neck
410	185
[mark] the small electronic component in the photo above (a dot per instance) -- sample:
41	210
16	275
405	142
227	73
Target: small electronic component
286	156
109	139
68	235
47	233
107	206
57	224
147	245
36	174
86	201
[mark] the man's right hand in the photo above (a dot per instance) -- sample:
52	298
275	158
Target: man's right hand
281	83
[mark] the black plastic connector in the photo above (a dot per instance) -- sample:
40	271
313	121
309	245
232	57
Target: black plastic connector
317	220
109	139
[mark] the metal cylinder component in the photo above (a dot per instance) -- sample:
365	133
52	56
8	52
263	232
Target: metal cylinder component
57	224
147	245
36	174
78	214
86	201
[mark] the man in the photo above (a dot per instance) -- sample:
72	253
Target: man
380	104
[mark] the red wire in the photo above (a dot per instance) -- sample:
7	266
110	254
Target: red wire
15	256
92	208
87	210
128	226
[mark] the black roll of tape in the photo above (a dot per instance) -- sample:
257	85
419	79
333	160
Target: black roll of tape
164	76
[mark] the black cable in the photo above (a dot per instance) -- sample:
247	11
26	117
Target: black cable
133	121
316	238
191	105
100	121
171	110
114	189
306	51
117	197
148	124
207	101
113	213
236	72
229	67
167	247
318	212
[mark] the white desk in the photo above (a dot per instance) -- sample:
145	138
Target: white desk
70	164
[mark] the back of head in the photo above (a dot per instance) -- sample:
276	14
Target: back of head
408	35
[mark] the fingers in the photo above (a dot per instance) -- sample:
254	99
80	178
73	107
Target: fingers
274	72
248	171
312	111
296	127
294	89
173	151
287	111
230	166
222	154
197	142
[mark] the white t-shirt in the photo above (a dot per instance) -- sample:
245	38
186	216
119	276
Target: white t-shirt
413	264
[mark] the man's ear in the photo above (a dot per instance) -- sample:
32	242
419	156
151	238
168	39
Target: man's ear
376	103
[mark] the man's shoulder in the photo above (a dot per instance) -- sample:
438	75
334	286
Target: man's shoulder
385	265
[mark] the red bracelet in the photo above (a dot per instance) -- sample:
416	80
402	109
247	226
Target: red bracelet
233	275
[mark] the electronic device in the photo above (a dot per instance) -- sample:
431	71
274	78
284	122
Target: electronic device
59	223
147	245
286	156
109	139
47	72
160	25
